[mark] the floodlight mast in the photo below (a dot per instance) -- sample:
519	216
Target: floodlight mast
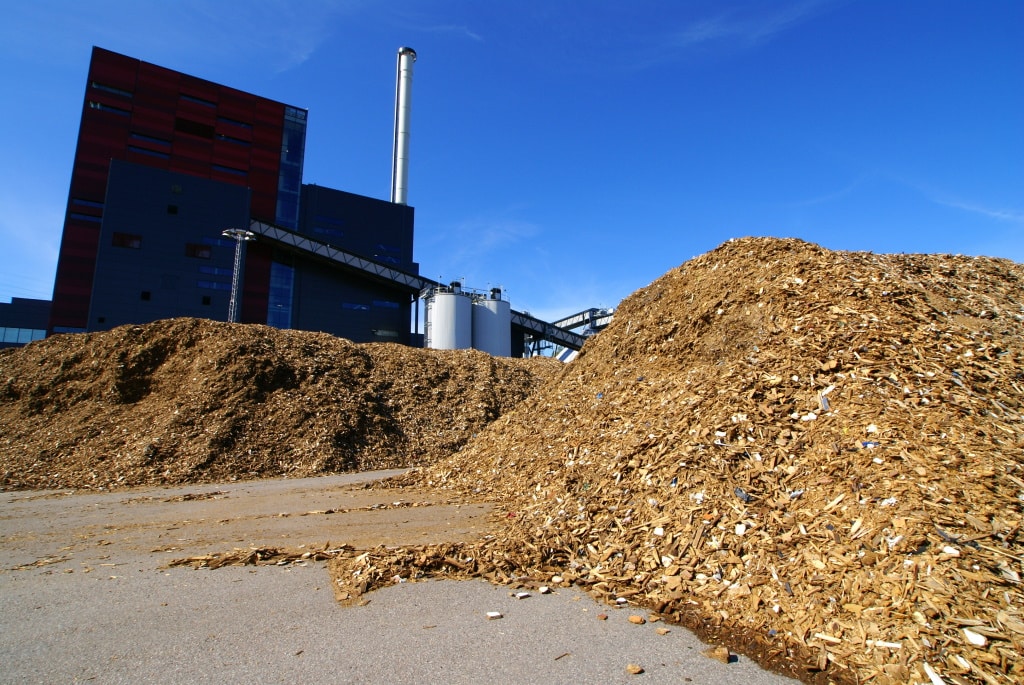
240	236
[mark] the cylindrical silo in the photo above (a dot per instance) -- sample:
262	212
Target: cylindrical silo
492	325
450	321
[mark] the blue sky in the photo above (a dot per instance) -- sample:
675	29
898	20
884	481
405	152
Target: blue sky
572	152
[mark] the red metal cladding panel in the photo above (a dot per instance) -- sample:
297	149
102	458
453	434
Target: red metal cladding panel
202	114
228	177
231	154
157	88
153	122
236	116
112	69
256	288
200	88
73	283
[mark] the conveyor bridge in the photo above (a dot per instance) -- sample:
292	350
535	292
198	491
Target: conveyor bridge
400	280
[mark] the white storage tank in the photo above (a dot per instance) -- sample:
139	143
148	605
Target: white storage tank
492	325
449	320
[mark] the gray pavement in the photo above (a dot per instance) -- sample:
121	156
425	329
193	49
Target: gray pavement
130	620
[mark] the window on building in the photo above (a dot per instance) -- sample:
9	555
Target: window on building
215	271
279	301
129	240
85	217
172	209
198	101
150	139
20	335
149	153
109	108
86	203
110	89
229	170
355	307
197	251
213	285
231	139
385	304
329	232
193	128
234	122
145	295
206	300
385	333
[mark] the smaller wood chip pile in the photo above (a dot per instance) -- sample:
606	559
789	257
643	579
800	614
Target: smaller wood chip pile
816	455
192	400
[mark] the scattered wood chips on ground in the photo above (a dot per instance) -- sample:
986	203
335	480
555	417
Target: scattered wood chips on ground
813	457
816	457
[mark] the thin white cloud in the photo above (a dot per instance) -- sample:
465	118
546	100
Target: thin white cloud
745	30
476	239
453	29
197	32
826	198
998	213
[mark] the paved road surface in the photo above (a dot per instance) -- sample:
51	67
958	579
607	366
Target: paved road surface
85	596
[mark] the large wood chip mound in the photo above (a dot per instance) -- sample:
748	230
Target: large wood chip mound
816	456
191	400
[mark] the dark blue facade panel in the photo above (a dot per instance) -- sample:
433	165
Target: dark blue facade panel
333	301
161	253
371	228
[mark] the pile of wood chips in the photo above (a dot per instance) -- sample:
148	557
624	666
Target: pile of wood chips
191	400
814	456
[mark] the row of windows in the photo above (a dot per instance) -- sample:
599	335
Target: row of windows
359	307
229	170
202	250
21	335
332	232
109	108
213	285
85	217
198	101
111	89
148	153
290	112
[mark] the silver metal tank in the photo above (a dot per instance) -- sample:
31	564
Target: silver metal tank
449	321
492	325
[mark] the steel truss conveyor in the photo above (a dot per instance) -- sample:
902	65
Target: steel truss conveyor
400	280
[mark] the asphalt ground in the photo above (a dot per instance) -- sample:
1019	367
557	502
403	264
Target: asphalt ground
86	596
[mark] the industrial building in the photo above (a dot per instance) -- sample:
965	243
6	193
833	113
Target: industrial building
186	199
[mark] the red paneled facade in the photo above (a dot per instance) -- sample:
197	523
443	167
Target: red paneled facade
157	117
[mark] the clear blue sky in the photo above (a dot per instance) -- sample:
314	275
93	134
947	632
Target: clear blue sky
573	152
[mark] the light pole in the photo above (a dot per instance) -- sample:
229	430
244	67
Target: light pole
241	237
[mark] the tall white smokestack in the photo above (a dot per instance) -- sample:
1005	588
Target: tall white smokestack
403	110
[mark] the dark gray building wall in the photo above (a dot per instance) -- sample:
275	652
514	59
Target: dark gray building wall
23	320
333	301
371	228
161	253
338	302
